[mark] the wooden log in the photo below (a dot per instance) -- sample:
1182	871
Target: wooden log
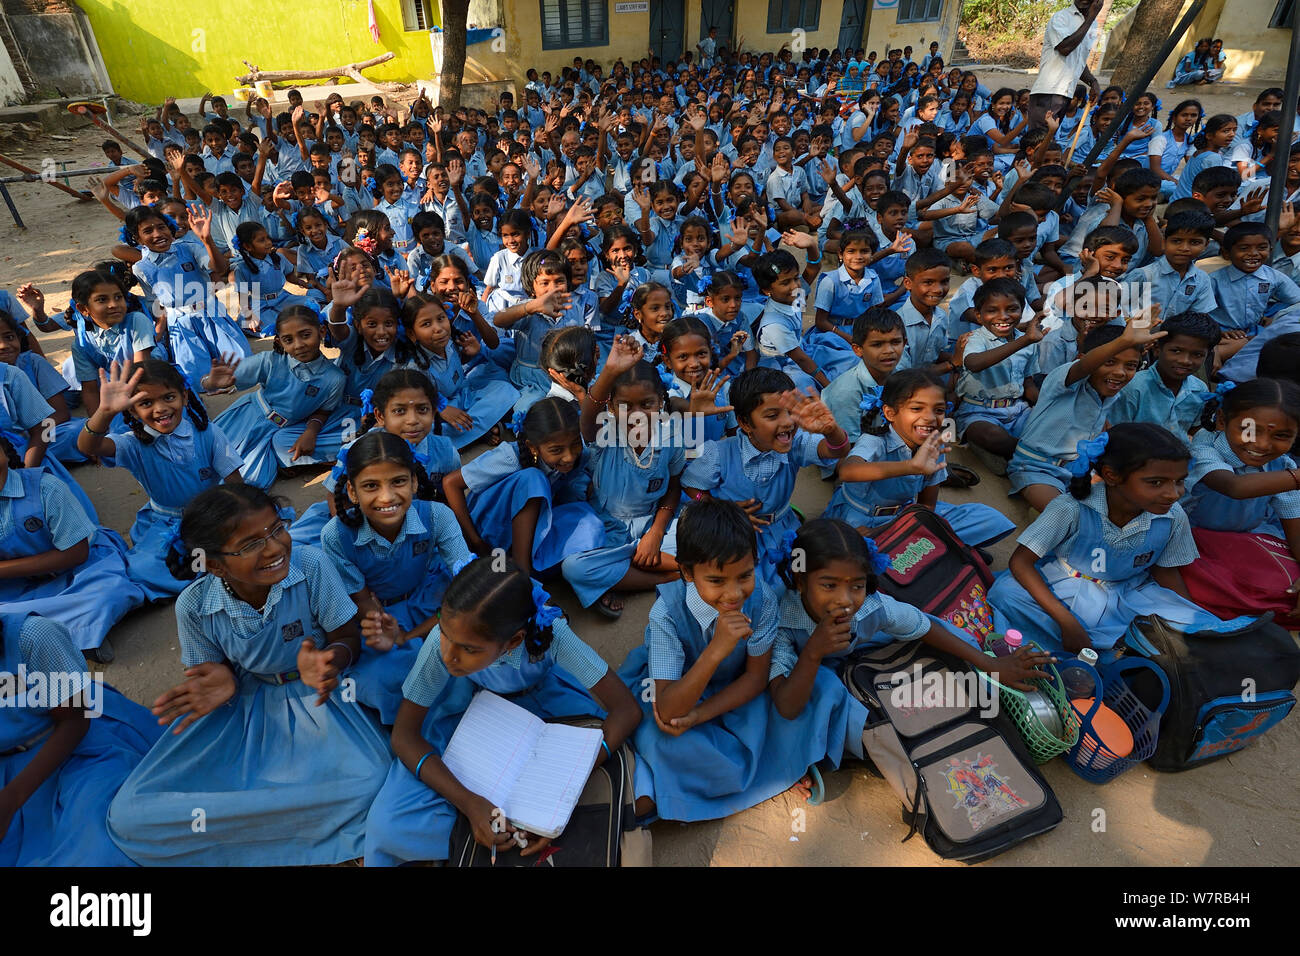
351	69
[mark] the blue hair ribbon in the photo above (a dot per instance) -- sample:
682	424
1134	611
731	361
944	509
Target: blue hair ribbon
189	386
421	459
517	421
545	614
1223	388
666	376
236	244
171	222
1090	450
176	543
871	400
880	562
127	238
461	565
367	401
625	302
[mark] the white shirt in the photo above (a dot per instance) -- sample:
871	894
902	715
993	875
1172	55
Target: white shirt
1060	74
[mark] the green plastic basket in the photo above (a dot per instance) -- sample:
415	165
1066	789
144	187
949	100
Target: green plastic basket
1042	743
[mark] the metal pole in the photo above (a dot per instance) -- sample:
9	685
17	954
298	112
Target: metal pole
1131	95
9	201
64	174
1282	151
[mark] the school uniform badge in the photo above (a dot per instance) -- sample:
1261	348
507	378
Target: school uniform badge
291	630
33	524
1264	287
206	473
984	794
187	267
654	485
313	391
420	547
1143	558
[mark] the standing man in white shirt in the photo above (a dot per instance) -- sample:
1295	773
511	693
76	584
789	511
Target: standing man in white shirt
1069	38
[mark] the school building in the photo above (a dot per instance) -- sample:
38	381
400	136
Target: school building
152	49
1256	37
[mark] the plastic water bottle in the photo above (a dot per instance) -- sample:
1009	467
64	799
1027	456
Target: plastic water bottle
1079	683
1008	644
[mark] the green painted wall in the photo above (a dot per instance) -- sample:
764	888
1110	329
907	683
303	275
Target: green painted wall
159	48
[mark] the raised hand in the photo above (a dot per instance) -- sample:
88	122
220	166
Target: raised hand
641	196
928	457
200	220
1139	328
222	373
704	396
623	354
346	292
400	281
1035	331
117	392
810	413
31	297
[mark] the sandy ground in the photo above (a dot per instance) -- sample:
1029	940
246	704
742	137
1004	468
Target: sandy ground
1239	811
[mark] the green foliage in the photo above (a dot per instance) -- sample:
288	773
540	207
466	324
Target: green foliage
1023	17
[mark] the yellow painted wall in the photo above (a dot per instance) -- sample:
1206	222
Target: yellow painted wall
628	36
1255	51
884	30
152	50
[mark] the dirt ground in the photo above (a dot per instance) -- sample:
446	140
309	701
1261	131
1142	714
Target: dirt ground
1238	811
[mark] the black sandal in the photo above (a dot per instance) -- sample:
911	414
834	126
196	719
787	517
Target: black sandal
601	607
959	476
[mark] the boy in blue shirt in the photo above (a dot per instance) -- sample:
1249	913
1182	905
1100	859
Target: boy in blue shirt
1131	203
1248	288
929	272
1168	393
1173	281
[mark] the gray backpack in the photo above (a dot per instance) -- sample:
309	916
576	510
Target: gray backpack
967	783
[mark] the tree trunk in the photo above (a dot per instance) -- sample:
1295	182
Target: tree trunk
1152	22
455	13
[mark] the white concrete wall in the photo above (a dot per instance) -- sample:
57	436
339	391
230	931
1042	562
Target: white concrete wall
11	88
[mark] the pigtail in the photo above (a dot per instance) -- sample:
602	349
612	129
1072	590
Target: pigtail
539	631
348	512
1213	403
1081	467
177	559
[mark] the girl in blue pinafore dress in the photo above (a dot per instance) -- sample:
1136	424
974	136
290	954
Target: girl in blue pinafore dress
899	461
548	304
714	762
497	633
780	433
393	546
696	382
832	609
175	280
277	424
404	404
59	820
259	276
476	403
730	321
1108	552
171	449
38	517
636	468
315	252
364	327
283	765
493	496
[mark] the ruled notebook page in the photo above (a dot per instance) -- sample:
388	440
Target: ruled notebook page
490	747
551	782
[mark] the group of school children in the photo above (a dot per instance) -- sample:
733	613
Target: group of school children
566	343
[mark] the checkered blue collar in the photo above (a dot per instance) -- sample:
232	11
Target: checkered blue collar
217	598
411	525
705	614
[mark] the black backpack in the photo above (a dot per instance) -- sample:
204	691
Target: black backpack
602	831
967	783
1226	688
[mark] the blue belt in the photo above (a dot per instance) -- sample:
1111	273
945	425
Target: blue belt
992	402
276	418
286	677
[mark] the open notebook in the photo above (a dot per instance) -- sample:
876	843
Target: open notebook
532	770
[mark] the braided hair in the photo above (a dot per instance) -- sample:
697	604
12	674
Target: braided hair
245	233
501	604
372	448
211	518
157	372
